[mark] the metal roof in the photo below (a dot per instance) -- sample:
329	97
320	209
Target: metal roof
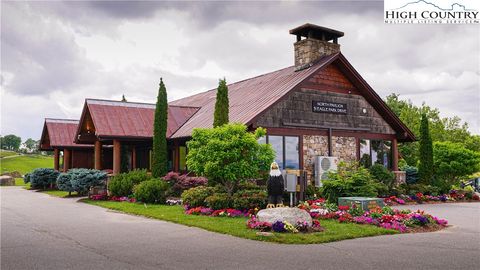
61	133
118	119
247	98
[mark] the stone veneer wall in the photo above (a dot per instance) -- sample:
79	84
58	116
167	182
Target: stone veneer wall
308	50
344	148
313	145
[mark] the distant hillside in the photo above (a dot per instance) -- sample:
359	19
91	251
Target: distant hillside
25	163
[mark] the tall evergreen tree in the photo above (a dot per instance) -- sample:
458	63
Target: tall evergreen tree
220	116
425	165
159	155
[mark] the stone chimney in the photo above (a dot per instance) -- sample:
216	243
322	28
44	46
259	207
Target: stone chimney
317	42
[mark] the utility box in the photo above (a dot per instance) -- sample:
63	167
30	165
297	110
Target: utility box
362	202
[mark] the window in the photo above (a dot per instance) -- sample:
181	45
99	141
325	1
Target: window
277	144
286	149
291	153
375	152
365	158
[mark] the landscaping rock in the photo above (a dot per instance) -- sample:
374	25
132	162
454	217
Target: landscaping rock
13	174
6	180
268	234
291	215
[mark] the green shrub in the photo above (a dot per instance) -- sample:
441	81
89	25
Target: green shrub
425	189
83	179
151	191
64	182
382	189
228	154
411	174
196	196
43	178
219	201
26	178
249	199
382	175
312	192
122	184
349	180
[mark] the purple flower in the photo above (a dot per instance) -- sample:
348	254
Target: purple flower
278	226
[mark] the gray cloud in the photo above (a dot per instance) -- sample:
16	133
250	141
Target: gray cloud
46	67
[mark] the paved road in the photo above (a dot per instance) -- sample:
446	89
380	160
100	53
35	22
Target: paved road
43	232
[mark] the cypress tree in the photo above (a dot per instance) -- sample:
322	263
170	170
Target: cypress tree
159	154
220	116
425	165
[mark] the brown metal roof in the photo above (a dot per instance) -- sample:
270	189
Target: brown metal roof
250	98
117	119
59	133
247	98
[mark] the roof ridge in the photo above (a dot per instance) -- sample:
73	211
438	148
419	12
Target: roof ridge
61	119
118	101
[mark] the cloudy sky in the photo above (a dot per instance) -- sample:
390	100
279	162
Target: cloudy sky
56	54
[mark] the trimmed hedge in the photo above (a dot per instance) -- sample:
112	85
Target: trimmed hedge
64	182
250	199
195	197
151	191
82	179
122	185
219	201
43	178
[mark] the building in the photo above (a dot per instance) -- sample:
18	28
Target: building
319	106
57	136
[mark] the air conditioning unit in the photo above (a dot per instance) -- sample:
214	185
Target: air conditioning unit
323	165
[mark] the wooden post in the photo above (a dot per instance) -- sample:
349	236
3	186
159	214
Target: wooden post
66	159
56	159
395	154
134	157
116	157
176	157
98	155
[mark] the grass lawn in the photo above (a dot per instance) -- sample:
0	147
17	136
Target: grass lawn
6	153
19	182
25	163
334	231
59	193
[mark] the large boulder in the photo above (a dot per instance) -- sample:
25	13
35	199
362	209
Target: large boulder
6	180
289	214
14	174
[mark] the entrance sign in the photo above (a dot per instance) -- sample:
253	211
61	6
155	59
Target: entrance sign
329	107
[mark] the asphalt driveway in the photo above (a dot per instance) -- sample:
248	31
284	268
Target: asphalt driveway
42	232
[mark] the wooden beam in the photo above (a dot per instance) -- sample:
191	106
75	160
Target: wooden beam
395	154
98	155
134	157
56	159
116	157
67	156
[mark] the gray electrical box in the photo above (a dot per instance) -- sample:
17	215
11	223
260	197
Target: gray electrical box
291	183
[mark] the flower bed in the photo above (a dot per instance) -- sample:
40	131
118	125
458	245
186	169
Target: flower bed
283	226
419	198
386	217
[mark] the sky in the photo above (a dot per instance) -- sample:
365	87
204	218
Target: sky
56	54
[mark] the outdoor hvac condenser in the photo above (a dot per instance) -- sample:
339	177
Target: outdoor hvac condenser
323	165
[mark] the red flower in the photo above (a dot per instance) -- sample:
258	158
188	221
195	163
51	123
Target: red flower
343	207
